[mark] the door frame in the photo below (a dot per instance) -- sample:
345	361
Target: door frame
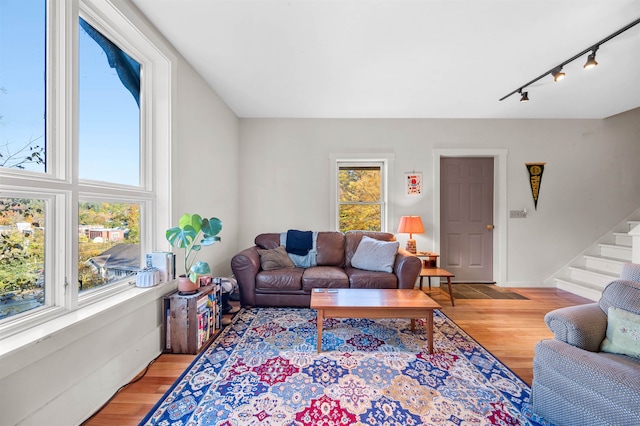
499	203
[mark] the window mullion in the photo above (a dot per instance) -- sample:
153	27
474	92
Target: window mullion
61	131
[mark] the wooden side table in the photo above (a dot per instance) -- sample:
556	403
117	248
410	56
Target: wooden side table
437	272
429	259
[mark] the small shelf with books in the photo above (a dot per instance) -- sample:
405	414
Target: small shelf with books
192	320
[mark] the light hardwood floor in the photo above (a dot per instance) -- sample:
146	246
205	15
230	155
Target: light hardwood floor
509	329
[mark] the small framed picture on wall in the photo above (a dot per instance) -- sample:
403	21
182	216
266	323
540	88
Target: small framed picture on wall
413	183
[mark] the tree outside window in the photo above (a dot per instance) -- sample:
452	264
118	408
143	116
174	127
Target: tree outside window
22	234
360	197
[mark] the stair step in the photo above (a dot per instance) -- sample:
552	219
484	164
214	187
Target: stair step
609	265
592	276
622	239
580	288
616	251
633	224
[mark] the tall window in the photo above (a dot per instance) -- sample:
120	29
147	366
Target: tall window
360	196
109	151
76	213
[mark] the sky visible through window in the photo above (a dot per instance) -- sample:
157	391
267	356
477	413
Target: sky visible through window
109	118
22	96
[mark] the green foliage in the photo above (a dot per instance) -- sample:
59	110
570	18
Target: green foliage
360	194
354	217
186	236
19	267
21	253
112	215
14	210
88	277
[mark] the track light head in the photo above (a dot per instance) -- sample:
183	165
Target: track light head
557	74
557	71
591	60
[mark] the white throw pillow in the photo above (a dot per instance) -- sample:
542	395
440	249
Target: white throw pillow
375	255
623	333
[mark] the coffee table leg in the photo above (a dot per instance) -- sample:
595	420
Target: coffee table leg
430	330
413	325
320	319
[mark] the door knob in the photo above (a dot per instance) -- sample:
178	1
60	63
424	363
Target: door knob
490	227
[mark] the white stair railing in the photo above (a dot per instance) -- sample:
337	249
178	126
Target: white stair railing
635	244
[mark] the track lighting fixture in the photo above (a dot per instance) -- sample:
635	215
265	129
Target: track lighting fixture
557	72
524	96
591	60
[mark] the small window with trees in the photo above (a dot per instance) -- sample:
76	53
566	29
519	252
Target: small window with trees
361	203
22	242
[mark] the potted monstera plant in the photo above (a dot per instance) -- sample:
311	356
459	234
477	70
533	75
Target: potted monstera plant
192	233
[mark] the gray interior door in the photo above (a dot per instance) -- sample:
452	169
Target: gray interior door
466	218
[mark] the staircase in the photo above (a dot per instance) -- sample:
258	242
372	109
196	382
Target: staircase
589	273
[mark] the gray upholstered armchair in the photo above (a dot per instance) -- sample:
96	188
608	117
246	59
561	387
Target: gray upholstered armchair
574	381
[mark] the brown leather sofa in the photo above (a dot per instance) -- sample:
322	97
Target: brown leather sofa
292	286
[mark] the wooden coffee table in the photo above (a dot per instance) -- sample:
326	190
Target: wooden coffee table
373	303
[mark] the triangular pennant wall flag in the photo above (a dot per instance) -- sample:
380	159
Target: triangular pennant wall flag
535	177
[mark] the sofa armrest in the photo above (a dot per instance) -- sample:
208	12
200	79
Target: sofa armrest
407	268
582	326
245	266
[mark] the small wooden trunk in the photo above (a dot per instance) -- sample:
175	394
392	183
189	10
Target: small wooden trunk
193	319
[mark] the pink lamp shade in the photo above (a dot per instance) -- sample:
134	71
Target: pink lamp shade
411	225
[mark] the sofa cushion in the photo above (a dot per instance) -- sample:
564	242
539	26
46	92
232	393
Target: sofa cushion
276	258
324	277
280	279
359	278
375	255
623	333
330	249
352	241
268	241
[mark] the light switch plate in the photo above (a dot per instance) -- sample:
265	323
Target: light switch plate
517	214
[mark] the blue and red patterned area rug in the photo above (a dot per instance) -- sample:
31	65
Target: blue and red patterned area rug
264	370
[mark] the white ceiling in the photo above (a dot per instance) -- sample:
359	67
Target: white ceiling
407	59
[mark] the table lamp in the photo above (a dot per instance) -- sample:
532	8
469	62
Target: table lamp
411	225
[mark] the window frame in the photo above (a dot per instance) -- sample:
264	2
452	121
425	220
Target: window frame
384	161
60	183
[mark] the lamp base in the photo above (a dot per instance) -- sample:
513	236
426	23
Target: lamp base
411	246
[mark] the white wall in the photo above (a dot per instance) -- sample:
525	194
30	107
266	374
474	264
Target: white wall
591	180
205	165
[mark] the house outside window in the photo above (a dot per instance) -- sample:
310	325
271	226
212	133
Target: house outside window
57	172
361	196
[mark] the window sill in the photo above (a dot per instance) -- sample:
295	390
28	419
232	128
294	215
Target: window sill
83	321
